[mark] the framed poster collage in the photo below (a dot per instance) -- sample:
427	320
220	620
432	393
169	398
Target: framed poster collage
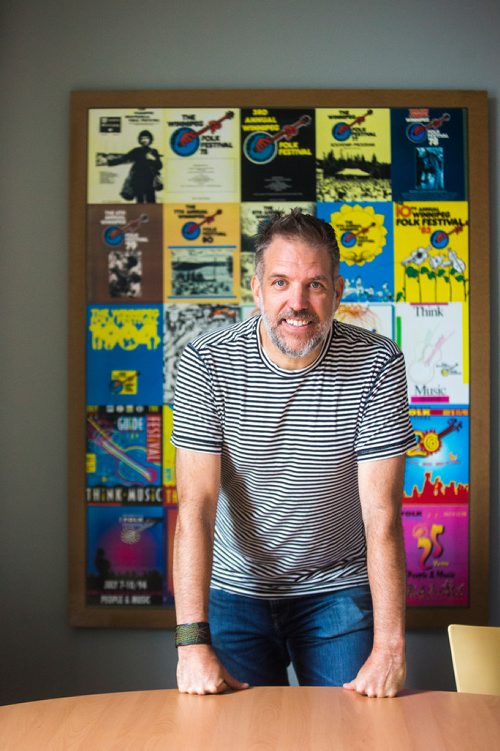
167	191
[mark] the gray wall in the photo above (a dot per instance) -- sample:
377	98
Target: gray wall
51	48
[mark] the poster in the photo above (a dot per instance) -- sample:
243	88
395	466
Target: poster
353	154
365	238
278	155
432	252
252	215
201	259
124	354
428	154
437	467
125	162
436	545
125	258
169	477
124	455
174	196
435	341
183	323
202	155
375	317
125	556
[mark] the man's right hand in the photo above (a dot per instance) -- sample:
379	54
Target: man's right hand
199	671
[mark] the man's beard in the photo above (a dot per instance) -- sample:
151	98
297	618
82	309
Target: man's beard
317	337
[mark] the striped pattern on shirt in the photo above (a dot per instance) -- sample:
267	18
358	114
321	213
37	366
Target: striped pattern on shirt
289	516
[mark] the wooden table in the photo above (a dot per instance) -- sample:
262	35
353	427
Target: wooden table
259	719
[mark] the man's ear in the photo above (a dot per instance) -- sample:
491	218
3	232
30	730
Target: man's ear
339	290
256	290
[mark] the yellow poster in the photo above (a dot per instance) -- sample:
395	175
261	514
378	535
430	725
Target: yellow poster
201	252
169	480
353	154
431	252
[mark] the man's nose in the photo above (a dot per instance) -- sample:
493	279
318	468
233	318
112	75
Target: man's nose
299	297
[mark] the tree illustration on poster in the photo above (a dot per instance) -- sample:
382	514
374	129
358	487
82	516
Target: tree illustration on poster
167	191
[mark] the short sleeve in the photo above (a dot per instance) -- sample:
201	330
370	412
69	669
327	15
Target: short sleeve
385	428
197	425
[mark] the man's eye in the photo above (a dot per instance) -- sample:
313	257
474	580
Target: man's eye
316	285
279	283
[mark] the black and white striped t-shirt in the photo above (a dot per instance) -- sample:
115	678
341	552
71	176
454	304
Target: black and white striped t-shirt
289	516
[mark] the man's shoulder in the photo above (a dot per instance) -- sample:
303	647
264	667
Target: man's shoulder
364	341
232	335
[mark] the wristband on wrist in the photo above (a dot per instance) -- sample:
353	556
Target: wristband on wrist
192	633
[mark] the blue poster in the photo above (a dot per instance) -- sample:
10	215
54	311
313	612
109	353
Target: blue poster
124	455
124	354
428	154
437	467
364	233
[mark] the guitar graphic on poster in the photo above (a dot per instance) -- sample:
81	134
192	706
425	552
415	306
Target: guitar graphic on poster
417	132
185	141
423	369
130	467
261	147
115	234
349	238
342	131
429	441
191	230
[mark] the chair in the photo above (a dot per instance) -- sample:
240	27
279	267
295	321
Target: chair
475	652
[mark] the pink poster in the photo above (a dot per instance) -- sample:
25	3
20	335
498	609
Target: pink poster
436	544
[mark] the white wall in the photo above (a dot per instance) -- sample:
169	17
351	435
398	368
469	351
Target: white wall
51	48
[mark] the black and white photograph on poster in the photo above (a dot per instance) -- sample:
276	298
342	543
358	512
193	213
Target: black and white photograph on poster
183	323
124	156
202	272
278	155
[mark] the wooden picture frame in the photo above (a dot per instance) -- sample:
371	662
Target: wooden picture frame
475	106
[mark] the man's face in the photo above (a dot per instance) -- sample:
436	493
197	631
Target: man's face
144	140
298	297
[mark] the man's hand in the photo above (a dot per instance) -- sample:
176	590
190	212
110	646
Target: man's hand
199	671
382	675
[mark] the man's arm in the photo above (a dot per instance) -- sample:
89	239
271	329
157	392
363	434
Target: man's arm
199	671
381	491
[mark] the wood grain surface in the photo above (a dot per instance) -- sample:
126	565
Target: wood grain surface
259	719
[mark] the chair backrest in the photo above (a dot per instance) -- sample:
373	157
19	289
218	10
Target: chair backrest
475	652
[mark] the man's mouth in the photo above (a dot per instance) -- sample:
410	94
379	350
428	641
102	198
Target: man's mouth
296	322
298	319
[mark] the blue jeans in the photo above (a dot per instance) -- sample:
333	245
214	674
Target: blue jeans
327	637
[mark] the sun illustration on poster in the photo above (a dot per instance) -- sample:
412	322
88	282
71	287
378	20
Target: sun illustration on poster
360	232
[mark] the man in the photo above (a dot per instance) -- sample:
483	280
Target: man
143	180
291	432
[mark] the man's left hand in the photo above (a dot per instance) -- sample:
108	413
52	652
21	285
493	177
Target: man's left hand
382	675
